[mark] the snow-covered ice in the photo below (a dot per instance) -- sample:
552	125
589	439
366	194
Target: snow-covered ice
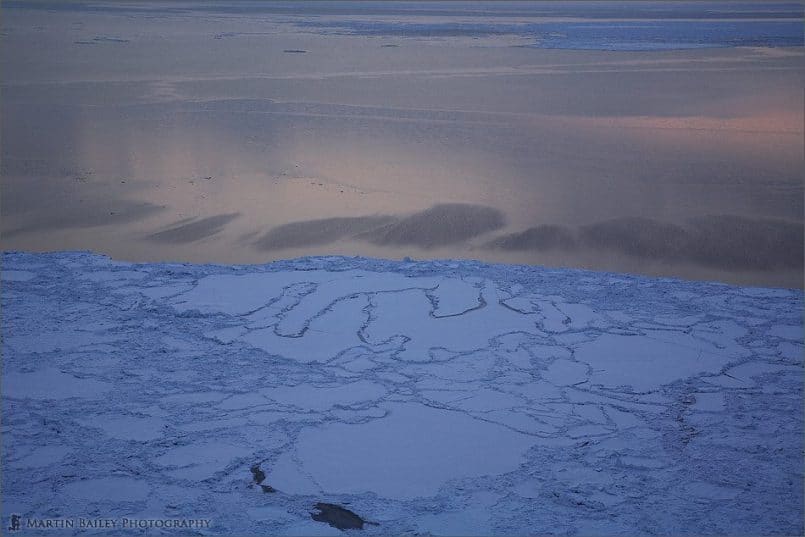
431	397
410	453
49	383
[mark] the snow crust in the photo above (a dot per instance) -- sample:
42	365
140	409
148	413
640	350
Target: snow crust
438	397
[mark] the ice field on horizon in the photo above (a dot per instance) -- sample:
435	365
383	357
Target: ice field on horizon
431	397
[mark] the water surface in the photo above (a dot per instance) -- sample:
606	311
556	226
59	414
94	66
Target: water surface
651	137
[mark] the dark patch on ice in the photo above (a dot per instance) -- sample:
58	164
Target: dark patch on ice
441	225
258	475
191	230
317	232
338	517
543	237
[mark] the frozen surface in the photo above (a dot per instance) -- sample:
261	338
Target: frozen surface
433	397
410	453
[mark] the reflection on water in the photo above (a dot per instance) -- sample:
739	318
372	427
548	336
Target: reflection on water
193	229
165	142
726	242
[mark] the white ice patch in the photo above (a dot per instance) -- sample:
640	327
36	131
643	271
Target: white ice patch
554	320
309	528
335	330
16	275
42	456
233	294
410	453
749	371
141	429
201	460
226	335
407	314
108	489
710	491
270	513
486	400
645	363
565	373
462	368
350	283
193	398
709	402
790	351
360	364
159	292
213	425
454	297
243	400
519	421
642	462
468	522
106	276
58	340
793	333
50	383
579	315
321	398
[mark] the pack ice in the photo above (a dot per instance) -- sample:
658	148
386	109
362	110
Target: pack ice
438	397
